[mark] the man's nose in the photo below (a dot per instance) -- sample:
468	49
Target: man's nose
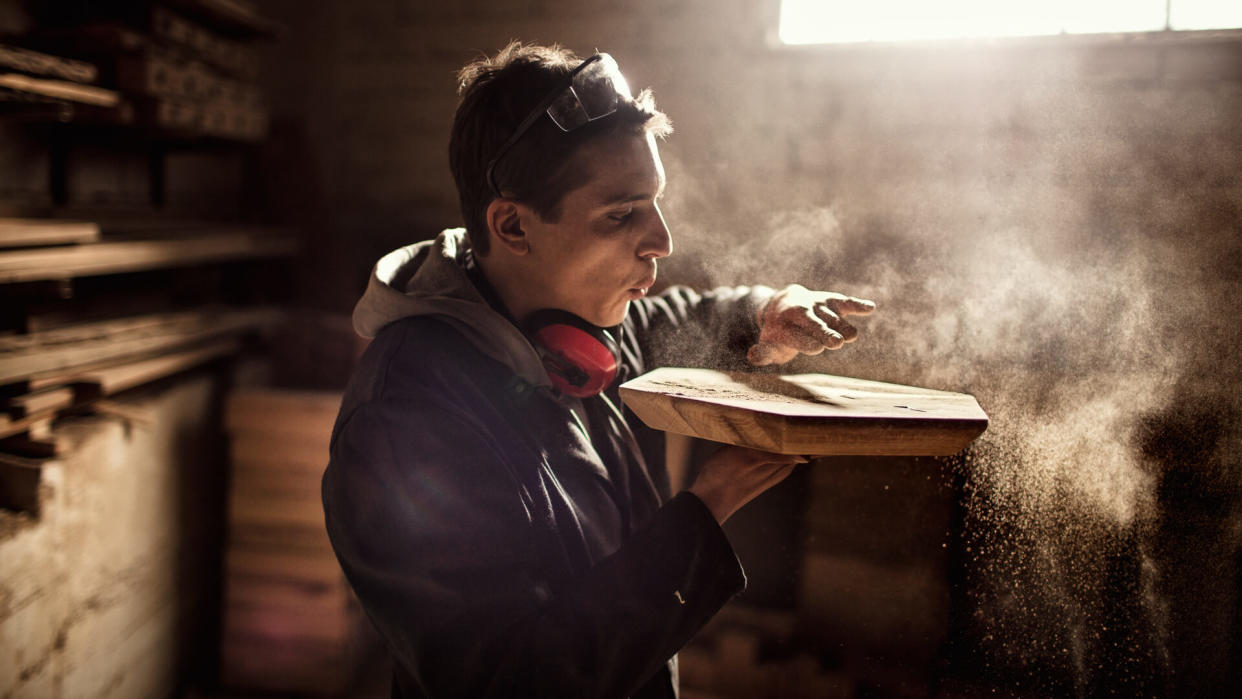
656	242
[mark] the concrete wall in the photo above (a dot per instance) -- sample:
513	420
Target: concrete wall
114	590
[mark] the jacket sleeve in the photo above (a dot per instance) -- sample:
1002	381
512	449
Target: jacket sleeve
439	543
682	327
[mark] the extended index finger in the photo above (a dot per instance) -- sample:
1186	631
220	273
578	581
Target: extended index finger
853	306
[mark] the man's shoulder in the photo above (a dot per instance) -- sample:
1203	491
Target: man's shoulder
414	352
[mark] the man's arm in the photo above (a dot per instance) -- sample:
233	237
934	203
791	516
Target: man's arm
719	328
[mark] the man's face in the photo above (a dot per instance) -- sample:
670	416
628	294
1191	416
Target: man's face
601	254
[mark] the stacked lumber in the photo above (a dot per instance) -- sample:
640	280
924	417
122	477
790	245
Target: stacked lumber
188	71
75	368
291	622
33	77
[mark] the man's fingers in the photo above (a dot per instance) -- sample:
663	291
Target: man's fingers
810	333
765	353
852	306
847	332
811	338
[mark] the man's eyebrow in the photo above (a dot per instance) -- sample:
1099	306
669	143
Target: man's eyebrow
630	196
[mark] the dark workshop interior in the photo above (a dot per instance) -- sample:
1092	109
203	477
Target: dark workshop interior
193	192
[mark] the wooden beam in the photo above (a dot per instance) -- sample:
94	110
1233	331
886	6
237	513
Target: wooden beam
137	255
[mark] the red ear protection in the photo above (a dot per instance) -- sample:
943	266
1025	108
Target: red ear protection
581	359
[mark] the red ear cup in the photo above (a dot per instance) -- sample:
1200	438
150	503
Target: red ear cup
580	358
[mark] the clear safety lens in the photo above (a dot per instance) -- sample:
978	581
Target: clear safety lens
594	93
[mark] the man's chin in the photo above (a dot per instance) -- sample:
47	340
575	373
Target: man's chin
612	317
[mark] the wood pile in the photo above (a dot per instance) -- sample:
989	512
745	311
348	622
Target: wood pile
291	622
189	69
66	351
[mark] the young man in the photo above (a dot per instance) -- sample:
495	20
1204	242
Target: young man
506	524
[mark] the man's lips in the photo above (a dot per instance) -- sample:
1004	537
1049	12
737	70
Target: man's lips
640	289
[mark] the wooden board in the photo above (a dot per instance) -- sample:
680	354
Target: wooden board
42	264
812	414
27	61
18	232
59	89
58	357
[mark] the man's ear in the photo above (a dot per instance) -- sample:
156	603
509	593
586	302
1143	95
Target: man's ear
504	224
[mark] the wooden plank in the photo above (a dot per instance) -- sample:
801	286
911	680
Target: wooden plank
247	507
280	664
813	414
289	566
297	618
300	486
309	414
125	376
51	399
27	61
54	357
36	422
304	456
60	89
292	595
137	255
280	537
17	232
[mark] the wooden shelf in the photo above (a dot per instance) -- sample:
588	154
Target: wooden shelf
27	232
58	263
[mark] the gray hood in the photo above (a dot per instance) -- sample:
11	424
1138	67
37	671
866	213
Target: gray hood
429	279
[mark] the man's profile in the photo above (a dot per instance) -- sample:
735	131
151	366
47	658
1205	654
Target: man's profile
505	522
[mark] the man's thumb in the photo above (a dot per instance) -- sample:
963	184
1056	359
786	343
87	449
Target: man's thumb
762	354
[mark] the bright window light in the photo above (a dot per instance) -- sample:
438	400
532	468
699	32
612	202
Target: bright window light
846	21
1205	14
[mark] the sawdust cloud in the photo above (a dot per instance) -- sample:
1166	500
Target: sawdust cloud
1094	342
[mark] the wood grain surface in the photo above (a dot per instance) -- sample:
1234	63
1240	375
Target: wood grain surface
811	414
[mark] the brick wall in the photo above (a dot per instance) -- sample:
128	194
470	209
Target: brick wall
1045	223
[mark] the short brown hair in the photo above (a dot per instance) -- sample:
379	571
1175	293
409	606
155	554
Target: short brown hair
496	94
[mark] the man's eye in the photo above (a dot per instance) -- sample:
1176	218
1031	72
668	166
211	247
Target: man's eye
620	216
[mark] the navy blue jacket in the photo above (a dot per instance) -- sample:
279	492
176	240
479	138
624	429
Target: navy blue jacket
508	546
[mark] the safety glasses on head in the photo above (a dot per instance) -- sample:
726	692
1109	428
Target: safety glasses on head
592	91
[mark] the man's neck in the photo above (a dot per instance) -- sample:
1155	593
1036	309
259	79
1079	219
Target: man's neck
502	288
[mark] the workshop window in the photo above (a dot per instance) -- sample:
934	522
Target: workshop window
854	21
